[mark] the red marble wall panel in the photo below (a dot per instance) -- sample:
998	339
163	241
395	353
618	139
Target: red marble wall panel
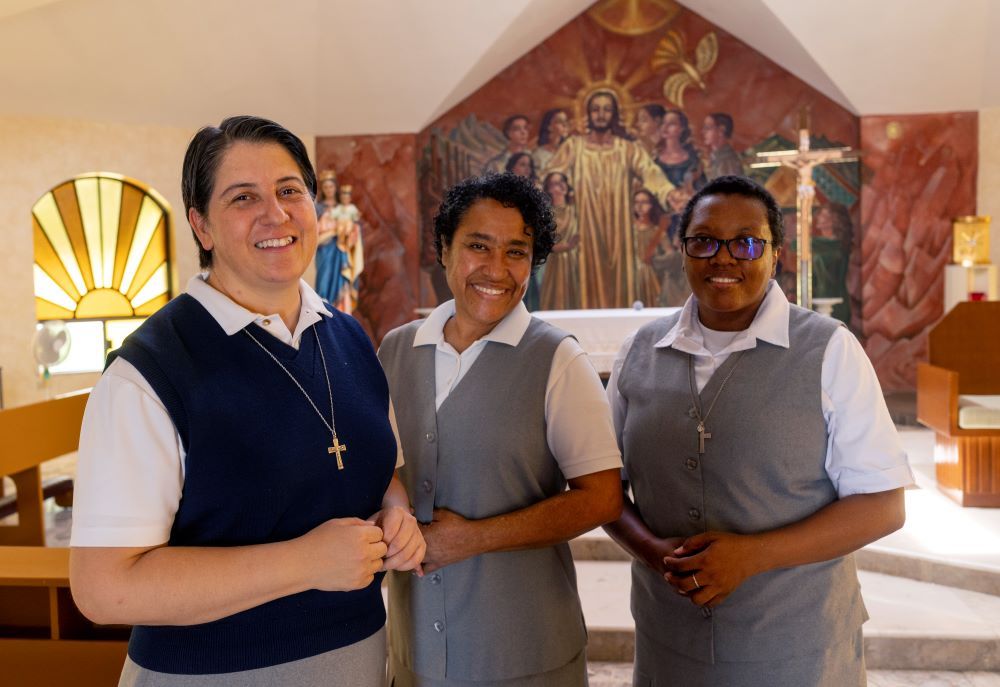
920	172
382	169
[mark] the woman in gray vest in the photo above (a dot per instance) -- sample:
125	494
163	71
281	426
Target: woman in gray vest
497	411
760	455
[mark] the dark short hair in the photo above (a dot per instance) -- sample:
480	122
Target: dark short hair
725	121
209	145
509	122
509	190
738	186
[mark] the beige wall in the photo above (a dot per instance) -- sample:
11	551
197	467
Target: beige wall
989	175
35	155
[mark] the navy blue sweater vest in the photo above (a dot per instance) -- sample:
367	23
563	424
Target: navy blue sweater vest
257	471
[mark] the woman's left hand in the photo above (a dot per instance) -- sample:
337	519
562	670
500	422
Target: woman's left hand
449	539
708	567
401	533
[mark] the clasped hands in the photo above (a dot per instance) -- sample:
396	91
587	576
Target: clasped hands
345	554
707	567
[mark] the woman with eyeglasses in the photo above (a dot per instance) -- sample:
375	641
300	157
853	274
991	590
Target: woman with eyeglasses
760	455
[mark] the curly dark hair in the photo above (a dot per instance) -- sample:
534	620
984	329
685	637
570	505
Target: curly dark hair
509	190
739	186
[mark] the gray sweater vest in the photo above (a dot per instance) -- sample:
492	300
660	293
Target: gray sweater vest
497	615
763	468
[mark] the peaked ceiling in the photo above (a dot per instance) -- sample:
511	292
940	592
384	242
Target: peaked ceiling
379	66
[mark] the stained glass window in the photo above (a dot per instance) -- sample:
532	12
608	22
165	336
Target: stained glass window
102	253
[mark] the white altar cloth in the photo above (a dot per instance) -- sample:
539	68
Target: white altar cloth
602	332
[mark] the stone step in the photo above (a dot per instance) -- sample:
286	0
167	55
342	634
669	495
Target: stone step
914	625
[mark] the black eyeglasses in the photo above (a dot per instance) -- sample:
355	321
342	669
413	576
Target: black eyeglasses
742	248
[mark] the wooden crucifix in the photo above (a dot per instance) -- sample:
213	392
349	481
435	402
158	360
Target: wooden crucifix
803	161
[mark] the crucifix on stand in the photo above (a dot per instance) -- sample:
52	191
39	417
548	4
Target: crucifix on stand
803	161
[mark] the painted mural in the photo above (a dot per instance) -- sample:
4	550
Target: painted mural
620	117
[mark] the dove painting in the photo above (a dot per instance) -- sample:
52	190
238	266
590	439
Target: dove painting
670	54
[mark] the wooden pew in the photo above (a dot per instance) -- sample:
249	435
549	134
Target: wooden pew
964	355
44	639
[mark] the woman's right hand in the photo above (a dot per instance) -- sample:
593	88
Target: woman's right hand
342	555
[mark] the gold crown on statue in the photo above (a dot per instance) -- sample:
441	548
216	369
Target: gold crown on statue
327	174
346	188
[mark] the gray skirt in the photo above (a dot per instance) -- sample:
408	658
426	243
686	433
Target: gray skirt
840	665
573	674
361	664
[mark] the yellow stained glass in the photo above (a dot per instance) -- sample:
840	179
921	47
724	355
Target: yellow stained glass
111	205
149	219
101	303
156	254
49	219
157	285
69	209
153	305
46	258
101	250
46	288
90	215
50	311
131	203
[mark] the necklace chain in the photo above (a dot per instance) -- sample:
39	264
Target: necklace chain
702	419
329	425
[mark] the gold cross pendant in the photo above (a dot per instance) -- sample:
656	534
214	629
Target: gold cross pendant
338	448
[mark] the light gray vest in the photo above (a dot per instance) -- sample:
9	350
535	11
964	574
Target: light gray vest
497	615
763	468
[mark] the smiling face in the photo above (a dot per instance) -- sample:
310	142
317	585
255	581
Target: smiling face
260	223
729	291
487	265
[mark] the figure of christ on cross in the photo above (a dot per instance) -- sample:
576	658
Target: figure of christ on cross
803	161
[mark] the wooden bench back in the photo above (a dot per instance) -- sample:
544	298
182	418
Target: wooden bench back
967	341
29	436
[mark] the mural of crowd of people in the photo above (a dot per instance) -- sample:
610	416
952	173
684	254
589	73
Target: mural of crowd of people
340	255
618	182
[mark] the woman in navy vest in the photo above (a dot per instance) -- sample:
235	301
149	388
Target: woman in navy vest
236	499
760	455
